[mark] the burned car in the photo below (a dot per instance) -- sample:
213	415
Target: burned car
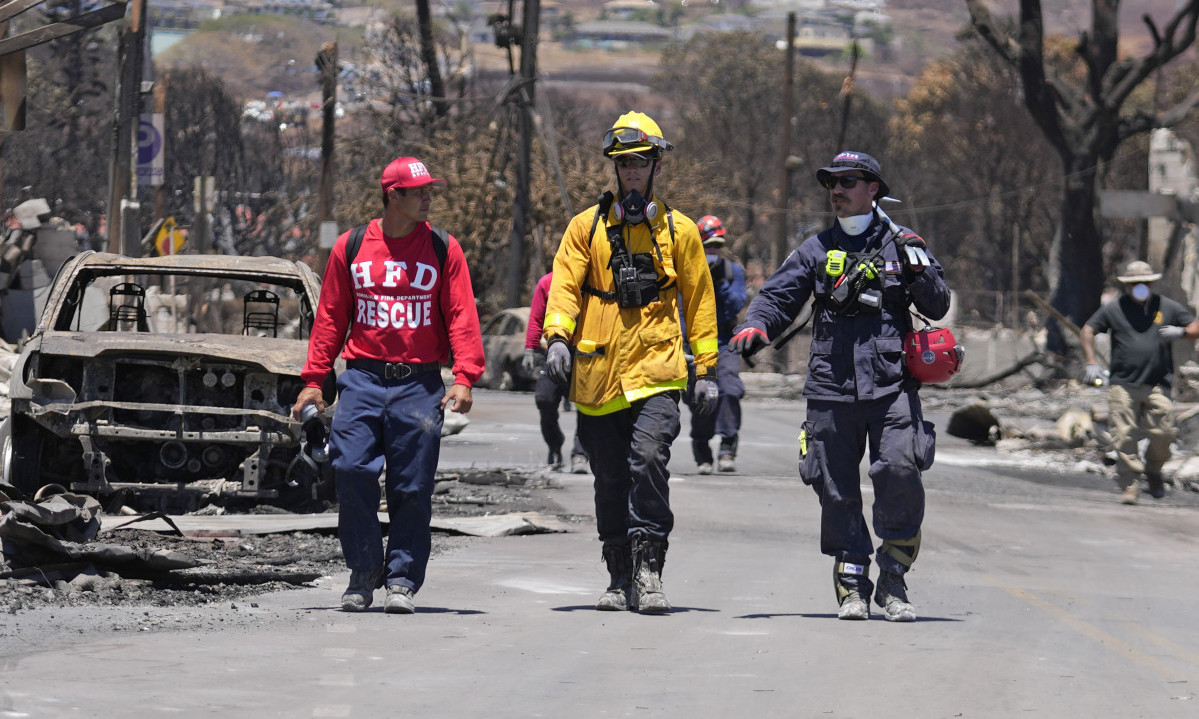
503	349
167	377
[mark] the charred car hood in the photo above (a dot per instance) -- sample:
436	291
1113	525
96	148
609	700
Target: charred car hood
278	356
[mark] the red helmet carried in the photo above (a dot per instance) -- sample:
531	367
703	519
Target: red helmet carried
711	231
932	355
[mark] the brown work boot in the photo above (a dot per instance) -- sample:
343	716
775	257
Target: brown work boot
1129	495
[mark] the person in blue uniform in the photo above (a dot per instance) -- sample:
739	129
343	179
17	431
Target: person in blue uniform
860	394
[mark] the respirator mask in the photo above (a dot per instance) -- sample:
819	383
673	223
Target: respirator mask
633	208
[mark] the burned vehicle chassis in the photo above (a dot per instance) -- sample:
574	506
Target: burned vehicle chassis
173	418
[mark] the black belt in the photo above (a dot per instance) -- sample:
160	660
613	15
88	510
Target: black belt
393	370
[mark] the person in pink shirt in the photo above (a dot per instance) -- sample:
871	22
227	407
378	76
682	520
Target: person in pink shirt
395	312
547	393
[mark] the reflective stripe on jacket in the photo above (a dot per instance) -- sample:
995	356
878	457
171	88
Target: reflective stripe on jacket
626	354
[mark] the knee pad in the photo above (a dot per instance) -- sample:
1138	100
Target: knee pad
903	551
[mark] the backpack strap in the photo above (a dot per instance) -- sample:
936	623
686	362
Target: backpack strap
354	242
441	248
441	244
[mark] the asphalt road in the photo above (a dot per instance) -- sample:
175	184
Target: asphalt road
1038	595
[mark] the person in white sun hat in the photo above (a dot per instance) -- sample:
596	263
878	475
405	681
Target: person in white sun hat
1142	326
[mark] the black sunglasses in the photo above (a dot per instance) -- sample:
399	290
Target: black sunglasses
846	181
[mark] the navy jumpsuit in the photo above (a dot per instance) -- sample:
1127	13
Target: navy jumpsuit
859	395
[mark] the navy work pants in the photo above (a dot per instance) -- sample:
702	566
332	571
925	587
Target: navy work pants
548	395
397	423
901	444
726	420
629	450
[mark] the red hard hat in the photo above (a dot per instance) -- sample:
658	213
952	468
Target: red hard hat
710	227
932	355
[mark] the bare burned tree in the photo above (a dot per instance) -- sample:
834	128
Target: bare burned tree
1081	111
428	53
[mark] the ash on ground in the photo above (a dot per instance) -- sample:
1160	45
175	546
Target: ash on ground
238	567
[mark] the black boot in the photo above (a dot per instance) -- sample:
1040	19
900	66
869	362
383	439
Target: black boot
649	556
619	559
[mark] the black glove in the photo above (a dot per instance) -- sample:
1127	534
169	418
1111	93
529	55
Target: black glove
748	341
716	267
558	361
704	396
914	253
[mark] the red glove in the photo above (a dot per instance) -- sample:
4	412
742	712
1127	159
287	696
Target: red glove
914	253
748	341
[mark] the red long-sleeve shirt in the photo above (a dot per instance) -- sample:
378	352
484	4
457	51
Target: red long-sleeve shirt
405	307
541	294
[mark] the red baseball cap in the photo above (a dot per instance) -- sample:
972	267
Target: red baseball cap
405	172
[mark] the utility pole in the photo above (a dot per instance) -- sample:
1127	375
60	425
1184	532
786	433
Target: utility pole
780	239
781	355
520	211
122	206
326	62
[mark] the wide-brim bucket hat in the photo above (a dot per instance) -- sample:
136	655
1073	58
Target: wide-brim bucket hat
1138	271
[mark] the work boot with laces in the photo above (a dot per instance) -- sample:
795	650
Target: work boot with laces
1129	495
619	559
360	592
853	607
399	600
648	558
891	593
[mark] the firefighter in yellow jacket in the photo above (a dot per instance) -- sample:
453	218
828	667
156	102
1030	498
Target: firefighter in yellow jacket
625	269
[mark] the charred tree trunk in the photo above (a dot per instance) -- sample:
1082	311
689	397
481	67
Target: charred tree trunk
428	51
1077	274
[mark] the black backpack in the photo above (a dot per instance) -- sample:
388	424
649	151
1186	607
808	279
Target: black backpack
441	244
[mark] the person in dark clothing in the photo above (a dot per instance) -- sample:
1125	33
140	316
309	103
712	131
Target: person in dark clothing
860	394
1142	325
728	280
548	394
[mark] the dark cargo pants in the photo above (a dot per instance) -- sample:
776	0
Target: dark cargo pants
629	450
726	420
901	444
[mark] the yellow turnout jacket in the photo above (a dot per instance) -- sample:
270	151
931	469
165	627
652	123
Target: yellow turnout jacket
623	355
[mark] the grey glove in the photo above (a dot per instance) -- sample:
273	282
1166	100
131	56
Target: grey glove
558	361
704	396
1094	376
528	362
1169	333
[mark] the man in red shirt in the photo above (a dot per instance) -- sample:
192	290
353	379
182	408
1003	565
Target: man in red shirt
407	305
548	394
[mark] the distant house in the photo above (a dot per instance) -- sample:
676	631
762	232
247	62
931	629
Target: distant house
626	9
615	34
818	38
